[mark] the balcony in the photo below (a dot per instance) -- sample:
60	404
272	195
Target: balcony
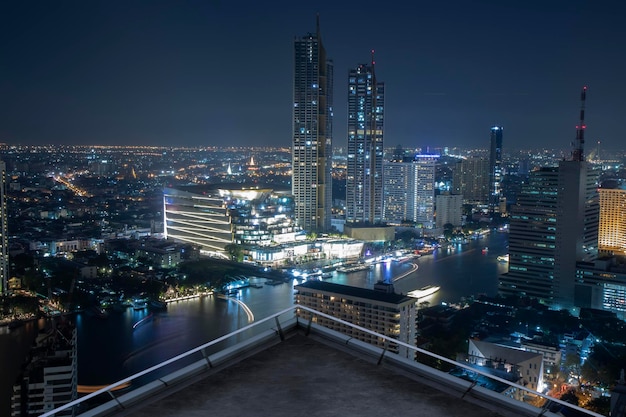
286	366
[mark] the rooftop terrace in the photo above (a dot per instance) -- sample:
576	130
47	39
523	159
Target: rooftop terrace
298	367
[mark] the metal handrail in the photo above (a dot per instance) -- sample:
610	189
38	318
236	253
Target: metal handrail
294	308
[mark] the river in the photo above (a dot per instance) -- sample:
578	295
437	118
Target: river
124	343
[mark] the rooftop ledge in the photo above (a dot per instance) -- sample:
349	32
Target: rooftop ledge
285	366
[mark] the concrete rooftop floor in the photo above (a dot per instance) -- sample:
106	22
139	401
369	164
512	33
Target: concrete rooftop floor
303	376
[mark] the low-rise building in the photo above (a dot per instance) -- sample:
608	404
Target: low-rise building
384	312
516	365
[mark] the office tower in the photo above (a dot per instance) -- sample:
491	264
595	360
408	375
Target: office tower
387	313
612	229
364	176
495	168
49	378
471	180
532	237
4	233
578	216
312	133
396	192
449	209
409	190
554	225
421	206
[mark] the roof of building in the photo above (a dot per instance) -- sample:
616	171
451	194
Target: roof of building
509	354
304	376
299	367
356	292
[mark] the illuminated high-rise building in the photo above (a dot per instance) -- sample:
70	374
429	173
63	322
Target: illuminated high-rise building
312	133
4	236
532	238
471	180
396	190
554	226
612	229
601	284
364	182
409	190
495	168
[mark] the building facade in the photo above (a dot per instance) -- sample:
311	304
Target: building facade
532	238
522	367
312	133
49	378
201	220
554	225
258	217
387	313
409	191
4	231
449	210
396	174
261	216
364	176
601	285
578	216
471	180
495	168
612	228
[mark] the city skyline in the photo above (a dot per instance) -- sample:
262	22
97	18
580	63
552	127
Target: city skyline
194	74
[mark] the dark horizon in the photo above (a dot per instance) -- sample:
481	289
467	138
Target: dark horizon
165	73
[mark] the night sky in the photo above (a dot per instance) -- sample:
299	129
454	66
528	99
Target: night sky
217	73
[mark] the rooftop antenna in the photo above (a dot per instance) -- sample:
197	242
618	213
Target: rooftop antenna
317	25
580	130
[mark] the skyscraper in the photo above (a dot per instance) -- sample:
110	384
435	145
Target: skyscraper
422	205
471	180
409	192
554	225
312	133
364	182
532	238
4	236
495	168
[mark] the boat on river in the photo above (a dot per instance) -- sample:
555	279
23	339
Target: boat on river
424	291
354	268
139	304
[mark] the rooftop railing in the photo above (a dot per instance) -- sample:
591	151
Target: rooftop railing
207	360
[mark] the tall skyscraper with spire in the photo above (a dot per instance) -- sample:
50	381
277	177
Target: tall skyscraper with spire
495	168
364	182
312	133
553	227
